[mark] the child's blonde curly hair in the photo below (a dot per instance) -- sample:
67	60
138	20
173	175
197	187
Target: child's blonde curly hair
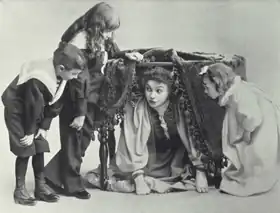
221	75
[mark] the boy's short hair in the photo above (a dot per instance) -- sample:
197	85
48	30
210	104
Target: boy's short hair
69	56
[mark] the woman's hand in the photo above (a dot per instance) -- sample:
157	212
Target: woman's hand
41	132
78	122
27	140
135	56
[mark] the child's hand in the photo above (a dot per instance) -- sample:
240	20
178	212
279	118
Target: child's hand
135	56
41	132
78	122
27	140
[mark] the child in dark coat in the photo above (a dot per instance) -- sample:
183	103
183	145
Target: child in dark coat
31	101
80	112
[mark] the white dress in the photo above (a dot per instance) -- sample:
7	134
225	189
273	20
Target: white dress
253	165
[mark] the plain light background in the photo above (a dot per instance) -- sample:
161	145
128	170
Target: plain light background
32	29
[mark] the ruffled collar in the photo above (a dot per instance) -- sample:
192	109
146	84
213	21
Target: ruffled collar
225	98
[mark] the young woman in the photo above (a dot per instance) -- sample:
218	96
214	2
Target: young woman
154	149
250	134
31	101
80	110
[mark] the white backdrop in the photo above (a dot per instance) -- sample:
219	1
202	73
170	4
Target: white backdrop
32	29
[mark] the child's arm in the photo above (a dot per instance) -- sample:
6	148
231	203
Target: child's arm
248	112
36	95
50	112
79	93
114	52
79	89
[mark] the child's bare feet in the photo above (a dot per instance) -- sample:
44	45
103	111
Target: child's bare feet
141	186
201	182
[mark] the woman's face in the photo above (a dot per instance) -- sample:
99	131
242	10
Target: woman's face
210	88
156	93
